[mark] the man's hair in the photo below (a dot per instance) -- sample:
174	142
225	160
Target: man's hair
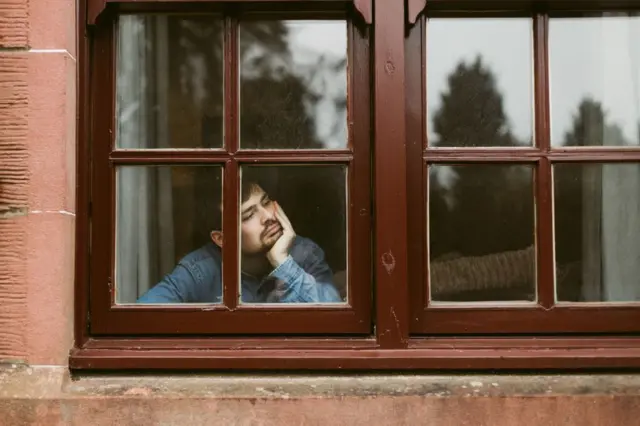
250	185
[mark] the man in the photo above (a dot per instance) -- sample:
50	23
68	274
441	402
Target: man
277	266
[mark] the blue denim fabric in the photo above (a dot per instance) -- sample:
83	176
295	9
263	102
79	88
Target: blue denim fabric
304	277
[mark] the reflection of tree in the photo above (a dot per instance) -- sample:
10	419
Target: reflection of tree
278	103
484	209
472	113
281	99
590	127
577	197
289	99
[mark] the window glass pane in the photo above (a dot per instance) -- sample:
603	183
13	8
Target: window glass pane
293	84
165	216
595	80
479	82
481	233
597	232
169	81
293	229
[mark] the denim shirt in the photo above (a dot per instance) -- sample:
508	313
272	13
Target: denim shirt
304	277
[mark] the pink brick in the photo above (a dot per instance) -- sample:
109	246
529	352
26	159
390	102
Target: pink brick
52	25
13	131
52	102
14	23
49	257
13	291
13	201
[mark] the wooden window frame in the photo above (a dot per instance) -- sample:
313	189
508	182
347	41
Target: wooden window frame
229	317
546	315
399	340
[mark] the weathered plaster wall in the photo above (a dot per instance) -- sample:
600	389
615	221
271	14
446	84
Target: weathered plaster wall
46	396
37	179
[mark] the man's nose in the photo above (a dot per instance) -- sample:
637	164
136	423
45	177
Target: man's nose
266	214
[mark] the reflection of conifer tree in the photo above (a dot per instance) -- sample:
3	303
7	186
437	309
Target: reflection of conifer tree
472	113
576	185
279	95
276	102
492	208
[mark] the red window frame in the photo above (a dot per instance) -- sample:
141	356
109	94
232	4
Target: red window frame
546	316
403	337
229	317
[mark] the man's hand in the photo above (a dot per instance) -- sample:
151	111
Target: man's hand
280	250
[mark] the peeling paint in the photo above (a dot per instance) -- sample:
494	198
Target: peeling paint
389	67
7	212
389	262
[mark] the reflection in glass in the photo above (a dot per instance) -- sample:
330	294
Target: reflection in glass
164	217
293	84
597	232
479	82
169	81
481	233
293	234
595	80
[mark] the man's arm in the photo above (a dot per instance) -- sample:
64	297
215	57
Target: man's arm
308	282
177	287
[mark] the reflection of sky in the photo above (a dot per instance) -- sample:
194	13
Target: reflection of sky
328	37
588	57
599	58
505	46
310	43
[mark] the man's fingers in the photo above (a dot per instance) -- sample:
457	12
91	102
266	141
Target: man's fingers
282	217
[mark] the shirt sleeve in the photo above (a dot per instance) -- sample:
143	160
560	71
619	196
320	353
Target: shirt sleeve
174	288
309	283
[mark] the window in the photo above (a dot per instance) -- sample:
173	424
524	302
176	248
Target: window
531	128
306	185
229	124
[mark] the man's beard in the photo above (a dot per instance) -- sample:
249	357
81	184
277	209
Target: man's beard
269	236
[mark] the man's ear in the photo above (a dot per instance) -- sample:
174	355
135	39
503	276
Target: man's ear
216	237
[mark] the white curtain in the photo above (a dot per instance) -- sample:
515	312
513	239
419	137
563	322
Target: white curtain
144	220
621	232
611	202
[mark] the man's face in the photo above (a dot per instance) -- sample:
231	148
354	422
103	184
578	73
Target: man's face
259	227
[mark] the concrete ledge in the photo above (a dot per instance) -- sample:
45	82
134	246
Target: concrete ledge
47	395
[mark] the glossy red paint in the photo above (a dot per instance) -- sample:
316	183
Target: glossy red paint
389	98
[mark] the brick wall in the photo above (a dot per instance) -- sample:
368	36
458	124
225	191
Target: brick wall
37	171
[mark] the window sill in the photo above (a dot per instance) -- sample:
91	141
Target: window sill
354	354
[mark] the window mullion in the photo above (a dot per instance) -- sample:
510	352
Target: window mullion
230	260
390	182
544	183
